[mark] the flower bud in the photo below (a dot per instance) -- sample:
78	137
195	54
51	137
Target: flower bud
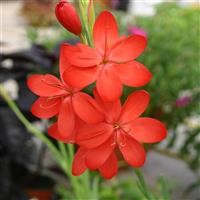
67	16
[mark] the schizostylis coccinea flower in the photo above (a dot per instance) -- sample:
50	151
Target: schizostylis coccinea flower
59	99
111	62
123	129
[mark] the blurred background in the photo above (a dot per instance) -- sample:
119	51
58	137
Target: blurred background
29	43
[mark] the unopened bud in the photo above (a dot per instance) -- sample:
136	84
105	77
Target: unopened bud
68	17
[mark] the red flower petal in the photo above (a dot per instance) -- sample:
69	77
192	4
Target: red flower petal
109	85
148	130
54	133
112	109
133	74
135	105
44	85
127	49
105	32
63	62
132	151
45	108
82	56
78	165
96	157
87	108
66	118
110	167
91	136
69	50
78	77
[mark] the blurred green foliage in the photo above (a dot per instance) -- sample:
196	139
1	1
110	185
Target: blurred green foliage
117	189
120	189
173	56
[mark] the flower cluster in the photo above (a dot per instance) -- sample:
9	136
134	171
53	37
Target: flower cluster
99	125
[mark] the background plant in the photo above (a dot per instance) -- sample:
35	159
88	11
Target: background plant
173	38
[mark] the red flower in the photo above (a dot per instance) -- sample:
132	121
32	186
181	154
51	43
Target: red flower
54	132
68	17
107	170
111	62
57	98
122	128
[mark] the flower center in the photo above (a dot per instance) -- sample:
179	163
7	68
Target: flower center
69	91
105	61
116	126
119	131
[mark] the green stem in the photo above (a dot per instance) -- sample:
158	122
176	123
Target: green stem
142	185
28	125
81	185
83	39
65	164
83	9
76	181
91	18
70	148
95	188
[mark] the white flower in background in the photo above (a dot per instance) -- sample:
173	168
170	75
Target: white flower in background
193	121
12	88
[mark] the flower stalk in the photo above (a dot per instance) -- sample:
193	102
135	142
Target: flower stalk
41	136
142	185
86	9
91	16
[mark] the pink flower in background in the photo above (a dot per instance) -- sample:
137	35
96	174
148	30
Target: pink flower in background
134	30
114	4
183	101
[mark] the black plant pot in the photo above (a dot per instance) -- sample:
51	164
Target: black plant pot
39	187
